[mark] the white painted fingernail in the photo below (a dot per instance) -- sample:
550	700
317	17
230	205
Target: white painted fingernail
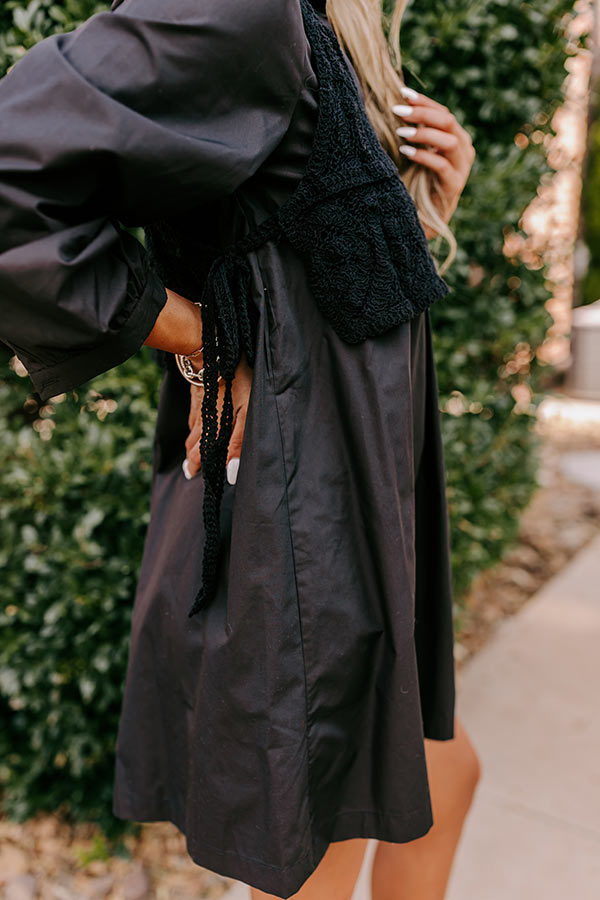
232	469
406	131
402	110
185	465
407	150
409	93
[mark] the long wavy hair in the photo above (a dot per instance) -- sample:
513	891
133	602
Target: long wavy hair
359	27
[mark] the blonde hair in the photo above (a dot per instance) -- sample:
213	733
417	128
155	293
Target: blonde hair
358	25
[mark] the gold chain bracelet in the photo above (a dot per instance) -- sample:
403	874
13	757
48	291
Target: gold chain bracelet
186	368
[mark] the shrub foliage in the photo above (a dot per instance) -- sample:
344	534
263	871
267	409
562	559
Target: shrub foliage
589	288
75	474
75	483
499	66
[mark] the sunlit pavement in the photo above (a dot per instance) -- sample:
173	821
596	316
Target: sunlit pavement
531	702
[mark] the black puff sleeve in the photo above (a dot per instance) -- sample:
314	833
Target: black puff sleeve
141	112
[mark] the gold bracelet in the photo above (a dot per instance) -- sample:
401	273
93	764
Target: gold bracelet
188	371
186	368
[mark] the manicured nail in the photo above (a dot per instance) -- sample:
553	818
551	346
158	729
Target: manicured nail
232	469
409	93
407	150
406	131
185	465
402	110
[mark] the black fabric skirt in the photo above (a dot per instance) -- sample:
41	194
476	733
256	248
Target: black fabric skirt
291	712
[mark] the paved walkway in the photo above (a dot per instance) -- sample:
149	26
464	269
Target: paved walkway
530	700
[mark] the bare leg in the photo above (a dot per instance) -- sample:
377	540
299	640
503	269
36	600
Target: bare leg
335	876
420	869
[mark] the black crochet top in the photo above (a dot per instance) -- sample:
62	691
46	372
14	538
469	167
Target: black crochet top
354	224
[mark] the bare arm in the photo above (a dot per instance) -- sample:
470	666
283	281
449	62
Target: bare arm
178	327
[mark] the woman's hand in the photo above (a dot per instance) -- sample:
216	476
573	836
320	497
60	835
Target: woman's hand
240	393
448	149
178	329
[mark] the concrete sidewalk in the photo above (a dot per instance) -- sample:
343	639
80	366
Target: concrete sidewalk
530	701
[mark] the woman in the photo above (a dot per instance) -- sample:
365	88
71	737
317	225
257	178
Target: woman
306	698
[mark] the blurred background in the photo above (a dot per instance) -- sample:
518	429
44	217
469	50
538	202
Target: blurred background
518	354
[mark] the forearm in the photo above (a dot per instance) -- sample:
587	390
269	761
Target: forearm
178	327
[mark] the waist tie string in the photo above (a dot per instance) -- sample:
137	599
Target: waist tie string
226	331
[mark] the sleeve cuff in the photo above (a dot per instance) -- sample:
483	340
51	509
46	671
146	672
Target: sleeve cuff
81	367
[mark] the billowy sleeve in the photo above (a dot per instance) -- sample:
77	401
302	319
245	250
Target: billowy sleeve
142	112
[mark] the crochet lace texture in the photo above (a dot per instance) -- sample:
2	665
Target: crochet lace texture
356	228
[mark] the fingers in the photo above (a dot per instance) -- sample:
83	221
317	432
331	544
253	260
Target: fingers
432	160
436	117
193	437
241	390
414	97
192	446
195	405
192	462
448	149
439	117
433	136
237	435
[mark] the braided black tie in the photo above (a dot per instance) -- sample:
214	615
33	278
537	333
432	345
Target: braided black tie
226	330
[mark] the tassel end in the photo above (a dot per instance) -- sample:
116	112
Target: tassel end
197	605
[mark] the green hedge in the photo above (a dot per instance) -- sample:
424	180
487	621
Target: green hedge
590	284
75	482
75	475
499	66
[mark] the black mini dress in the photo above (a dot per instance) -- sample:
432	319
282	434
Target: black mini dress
292	711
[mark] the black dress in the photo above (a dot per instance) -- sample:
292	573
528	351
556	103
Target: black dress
292	711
